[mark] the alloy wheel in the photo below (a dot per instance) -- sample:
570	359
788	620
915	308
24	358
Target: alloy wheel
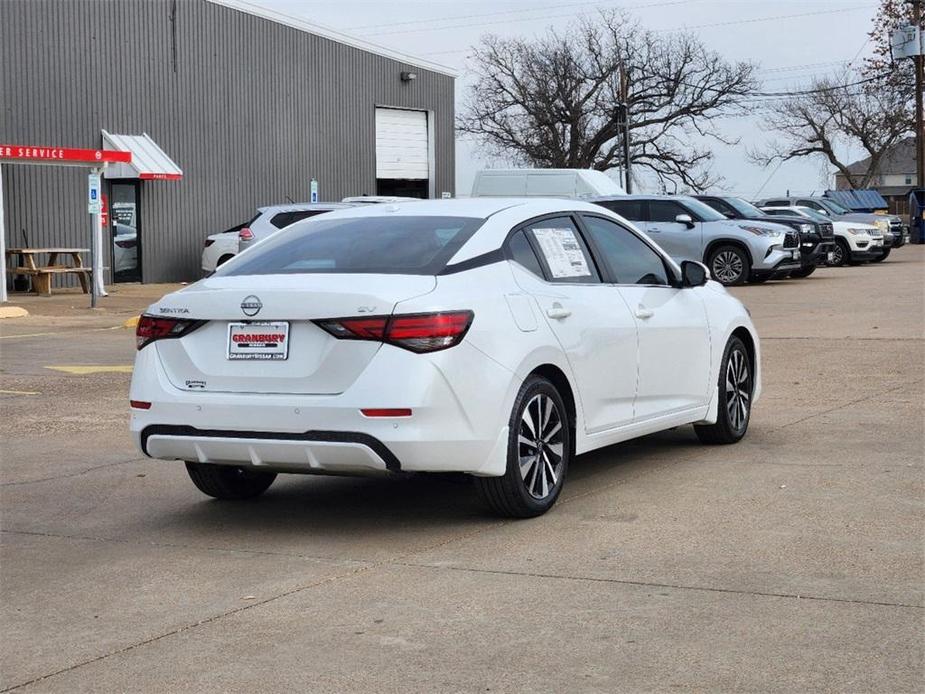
727	266
540	446
838	255
738	389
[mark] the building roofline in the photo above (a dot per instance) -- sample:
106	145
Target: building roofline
333	34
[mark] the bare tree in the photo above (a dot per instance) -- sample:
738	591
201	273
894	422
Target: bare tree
562	100
871	109
837	115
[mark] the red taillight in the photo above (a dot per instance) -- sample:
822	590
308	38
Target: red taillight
139	405
151	328
208	242
245	234
421	332
386	412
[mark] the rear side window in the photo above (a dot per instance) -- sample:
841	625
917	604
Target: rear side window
777	203
521	252
284	219
628	209
394	245
563	253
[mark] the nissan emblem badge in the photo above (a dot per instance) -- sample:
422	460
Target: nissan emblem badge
251	306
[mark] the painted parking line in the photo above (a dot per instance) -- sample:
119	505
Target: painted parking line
19	392
85	370
60	332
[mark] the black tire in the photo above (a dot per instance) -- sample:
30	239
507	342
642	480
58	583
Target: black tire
841	254
521	492
729	265
735	397
803	272
229	481
224	259
886	254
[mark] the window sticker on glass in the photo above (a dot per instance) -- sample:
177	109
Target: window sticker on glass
562	252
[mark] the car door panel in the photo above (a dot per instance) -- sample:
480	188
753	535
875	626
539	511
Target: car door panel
674	349
595	330
680	241
671	323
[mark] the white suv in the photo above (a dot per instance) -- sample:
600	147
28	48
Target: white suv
855	242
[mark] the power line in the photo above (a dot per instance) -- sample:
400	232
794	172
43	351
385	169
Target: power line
700	26
662	4
501	13
517	19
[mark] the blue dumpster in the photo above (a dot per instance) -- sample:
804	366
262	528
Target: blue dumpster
917	216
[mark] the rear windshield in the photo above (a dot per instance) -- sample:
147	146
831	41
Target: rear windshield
395	244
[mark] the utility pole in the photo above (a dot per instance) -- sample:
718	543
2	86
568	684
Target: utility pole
625	108
919	80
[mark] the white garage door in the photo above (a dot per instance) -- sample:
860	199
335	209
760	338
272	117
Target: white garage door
401	144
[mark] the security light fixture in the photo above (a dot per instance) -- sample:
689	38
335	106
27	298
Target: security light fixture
408	76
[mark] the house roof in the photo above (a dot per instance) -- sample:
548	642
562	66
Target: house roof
899	159
257	10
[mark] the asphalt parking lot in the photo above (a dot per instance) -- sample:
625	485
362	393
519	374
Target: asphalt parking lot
792	561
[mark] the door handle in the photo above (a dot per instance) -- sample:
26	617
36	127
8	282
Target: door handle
643	312
558	312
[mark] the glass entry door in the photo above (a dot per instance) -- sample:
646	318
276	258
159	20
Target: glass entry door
125	231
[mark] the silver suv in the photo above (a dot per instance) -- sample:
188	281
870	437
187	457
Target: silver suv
271	219
736	251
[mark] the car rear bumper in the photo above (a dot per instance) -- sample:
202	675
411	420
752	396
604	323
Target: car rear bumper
310	451
457	423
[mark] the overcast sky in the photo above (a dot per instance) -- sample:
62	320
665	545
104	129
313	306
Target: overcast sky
791	40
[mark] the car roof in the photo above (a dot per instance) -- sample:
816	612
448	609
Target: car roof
300	206
479	208
369	199
604	198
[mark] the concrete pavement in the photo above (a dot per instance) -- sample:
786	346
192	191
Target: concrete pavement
792	561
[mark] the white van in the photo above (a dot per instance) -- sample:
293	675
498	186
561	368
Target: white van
555	183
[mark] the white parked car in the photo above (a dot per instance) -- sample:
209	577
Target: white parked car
493	337
855	242
221	247
124	248
272	218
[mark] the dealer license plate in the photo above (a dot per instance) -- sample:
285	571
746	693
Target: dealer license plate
258	340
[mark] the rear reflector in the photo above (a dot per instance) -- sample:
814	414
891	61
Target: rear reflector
418	332
139	405
387	412
151	328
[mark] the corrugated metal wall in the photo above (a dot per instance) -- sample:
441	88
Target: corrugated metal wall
250	109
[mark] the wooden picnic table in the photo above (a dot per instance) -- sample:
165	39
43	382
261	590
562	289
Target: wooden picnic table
42	274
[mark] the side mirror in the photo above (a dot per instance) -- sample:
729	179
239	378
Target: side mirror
694	274
686	220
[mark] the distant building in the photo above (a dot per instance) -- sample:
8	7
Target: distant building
894	178
225	106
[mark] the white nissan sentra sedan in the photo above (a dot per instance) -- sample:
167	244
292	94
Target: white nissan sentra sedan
495	337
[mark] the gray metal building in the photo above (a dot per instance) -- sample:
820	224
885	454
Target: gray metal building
251	105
